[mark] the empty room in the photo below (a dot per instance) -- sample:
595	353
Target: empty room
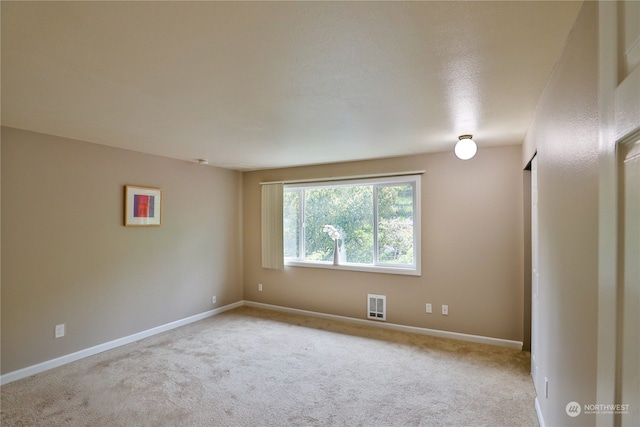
317	213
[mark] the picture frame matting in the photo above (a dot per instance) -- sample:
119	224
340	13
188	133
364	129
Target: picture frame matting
142	206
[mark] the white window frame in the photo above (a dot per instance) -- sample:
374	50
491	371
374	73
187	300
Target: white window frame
413	269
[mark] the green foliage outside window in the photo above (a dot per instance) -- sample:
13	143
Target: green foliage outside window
395	224
350	208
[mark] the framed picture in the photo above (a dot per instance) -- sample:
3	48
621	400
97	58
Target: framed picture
142	206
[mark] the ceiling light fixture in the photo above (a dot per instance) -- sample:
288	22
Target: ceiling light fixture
466	147
203	161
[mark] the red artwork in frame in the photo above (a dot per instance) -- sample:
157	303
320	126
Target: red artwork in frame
142	206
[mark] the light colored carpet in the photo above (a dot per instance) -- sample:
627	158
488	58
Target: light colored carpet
251	367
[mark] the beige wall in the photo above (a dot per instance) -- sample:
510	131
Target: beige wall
472	248
67	258
565	133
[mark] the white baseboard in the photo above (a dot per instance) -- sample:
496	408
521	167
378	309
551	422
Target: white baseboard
539	414
63	360
411	329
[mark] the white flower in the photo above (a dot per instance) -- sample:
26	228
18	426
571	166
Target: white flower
332	232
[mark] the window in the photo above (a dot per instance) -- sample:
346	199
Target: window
378	220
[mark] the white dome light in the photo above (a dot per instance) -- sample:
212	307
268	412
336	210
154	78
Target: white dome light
466	148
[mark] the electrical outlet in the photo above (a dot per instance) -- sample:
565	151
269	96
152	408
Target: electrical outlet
259	287
429	308
213	299
60	330
445	310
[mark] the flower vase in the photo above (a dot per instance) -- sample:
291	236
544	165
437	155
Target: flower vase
336	253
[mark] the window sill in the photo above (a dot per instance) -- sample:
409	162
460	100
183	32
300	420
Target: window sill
406	271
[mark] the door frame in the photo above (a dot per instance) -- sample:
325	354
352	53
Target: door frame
619	104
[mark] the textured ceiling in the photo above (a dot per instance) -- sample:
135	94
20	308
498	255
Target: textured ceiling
252	85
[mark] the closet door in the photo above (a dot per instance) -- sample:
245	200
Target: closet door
630	274
535	297
619	299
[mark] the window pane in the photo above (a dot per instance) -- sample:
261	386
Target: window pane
350	210
395	224
291	224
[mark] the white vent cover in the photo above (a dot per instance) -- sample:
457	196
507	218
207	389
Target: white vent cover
377	307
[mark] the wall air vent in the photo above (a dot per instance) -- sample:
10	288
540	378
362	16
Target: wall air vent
377	307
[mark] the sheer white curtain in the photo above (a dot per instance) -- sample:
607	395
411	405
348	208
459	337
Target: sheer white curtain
272	249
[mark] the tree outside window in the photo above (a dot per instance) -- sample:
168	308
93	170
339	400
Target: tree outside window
375	218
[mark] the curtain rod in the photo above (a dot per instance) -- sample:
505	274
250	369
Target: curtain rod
342	178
